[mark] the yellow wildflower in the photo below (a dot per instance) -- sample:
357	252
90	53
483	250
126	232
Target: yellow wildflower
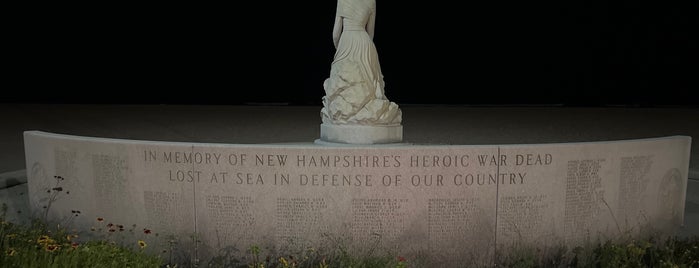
142	244
45	240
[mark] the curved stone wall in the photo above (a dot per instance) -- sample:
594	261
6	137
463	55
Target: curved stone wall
433	204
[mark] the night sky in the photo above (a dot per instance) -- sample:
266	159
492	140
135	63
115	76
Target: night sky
579	53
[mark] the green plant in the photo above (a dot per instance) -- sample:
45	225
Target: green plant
402	262
42	244
37	246
255	252
625	255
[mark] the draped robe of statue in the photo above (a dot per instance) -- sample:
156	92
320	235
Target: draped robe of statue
354	92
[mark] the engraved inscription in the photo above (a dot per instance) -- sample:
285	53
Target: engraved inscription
232	217
300	219
378	219
633	182
450	219
166	211
436	206
584	198
110	182
670	203
521	218
460	231
66	165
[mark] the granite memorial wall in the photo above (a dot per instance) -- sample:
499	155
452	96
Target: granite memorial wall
434	204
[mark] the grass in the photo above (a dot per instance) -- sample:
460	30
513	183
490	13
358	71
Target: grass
39	246
651	252
312	258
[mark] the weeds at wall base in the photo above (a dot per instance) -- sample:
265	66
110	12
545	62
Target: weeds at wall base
37	246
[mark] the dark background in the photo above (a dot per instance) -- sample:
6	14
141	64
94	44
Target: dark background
571	53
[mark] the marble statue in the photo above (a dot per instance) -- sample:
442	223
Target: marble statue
356	109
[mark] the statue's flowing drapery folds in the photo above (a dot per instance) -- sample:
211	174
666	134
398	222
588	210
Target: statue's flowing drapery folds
354	92
355	108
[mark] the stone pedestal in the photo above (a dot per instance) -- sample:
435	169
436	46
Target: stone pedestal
357	134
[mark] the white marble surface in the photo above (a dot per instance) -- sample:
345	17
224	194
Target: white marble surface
360	134
354	92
